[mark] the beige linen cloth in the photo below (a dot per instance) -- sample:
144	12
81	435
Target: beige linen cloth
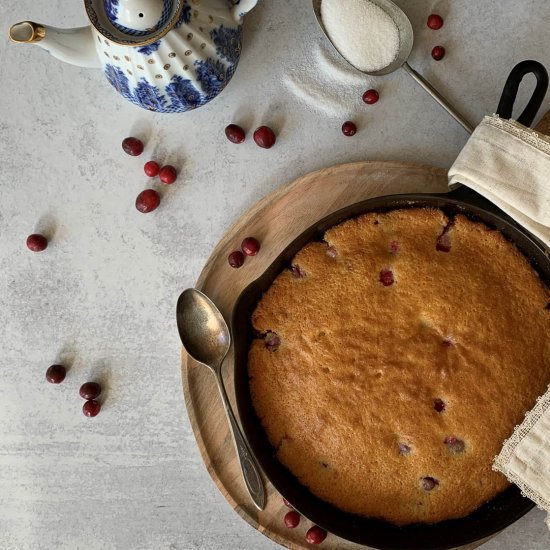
510	165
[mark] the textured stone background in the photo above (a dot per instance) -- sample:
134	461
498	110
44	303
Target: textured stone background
102	296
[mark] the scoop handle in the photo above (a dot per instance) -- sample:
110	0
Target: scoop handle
439	98
249	468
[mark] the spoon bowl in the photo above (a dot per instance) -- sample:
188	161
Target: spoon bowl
406	41
202	328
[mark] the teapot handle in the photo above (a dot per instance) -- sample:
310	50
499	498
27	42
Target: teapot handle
242	7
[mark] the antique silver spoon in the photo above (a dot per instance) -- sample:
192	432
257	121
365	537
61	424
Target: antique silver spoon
206	338
406	40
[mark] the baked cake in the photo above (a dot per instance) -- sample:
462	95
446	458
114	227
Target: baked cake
393	360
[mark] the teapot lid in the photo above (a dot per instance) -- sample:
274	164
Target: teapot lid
134	22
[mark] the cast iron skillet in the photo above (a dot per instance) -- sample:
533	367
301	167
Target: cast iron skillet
490	518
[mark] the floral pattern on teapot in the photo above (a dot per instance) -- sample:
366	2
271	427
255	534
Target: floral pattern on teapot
184	70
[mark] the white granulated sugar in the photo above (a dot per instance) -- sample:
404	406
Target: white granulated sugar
323	82
362	32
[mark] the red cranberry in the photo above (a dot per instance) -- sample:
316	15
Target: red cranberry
438	53
404	449
132	146
316	535
349	128
151	168
250	246
394	247
56	374
332	252
265	137
439	405
236	259
435	21
386	277
147	201
91	408
443	243
292	519
287	504
272	341
90	390
455	445
297	271
37	243
168	175
447	343
370	97
235	134
429	483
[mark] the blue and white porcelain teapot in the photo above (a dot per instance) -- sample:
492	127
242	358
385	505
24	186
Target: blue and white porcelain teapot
167	56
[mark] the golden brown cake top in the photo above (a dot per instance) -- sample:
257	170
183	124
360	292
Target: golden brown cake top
396	359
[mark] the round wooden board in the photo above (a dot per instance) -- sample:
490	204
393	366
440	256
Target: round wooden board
276	220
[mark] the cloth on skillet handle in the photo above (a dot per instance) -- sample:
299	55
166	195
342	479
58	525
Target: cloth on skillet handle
509	164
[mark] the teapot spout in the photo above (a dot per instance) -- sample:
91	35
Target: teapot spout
243	7
74	46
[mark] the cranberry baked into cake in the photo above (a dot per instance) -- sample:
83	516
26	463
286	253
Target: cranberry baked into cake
394	359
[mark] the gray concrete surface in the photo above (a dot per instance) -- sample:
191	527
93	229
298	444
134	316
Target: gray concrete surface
102	296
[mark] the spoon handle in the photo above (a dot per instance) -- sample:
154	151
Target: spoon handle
249	468
439	98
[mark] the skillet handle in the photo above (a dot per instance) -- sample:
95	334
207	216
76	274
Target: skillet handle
510	92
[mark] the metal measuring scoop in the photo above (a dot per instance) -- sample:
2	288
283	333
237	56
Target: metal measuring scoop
206	338
406	40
